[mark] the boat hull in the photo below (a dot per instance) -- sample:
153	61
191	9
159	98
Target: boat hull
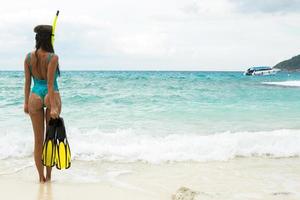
261	73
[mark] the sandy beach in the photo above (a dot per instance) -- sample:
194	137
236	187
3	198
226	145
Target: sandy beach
241	178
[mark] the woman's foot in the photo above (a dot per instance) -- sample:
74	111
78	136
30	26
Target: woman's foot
42	179
48	178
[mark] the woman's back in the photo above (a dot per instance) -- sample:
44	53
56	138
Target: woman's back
39	64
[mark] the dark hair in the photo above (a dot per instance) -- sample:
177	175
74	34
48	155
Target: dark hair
43	40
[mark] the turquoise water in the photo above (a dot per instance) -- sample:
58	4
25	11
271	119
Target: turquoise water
156	106
180	102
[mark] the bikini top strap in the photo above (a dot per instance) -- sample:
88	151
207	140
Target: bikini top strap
50	55
28	58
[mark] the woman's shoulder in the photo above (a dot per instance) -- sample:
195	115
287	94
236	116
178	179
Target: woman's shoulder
30	53
52	56
28	56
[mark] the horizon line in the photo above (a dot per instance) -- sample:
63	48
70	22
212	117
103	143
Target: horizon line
129	70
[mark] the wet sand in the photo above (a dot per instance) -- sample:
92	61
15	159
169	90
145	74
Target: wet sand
241	179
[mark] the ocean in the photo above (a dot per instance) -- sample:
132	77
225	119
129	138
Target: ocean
127	116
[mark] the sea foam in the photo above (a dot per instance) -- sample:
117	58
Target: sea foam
130	146
284	83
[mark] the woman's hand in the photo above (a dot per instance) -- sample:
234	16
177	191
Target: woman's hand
26	108
54	113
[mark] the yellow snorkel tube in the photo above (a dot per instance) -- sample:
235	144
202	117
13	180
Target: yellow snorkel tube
53	28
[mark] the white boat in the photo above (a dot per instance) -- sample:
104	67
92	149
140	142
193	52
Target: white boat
260	71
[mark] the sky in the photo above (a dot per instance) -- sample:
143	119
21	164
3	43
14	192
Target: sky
154	35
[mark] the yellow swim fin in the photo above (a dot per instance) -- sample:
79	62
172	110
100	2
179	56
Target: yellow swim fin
48	156
63	152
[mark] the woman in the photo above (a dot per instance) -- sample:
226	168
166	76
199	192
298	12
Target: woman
42	66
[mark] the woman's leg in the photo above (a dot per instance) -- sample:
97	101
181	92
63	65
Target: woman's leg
48	169
36	112
47	103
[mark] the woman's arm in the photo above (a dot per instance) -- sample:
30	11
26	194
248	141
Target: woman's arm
50	78
27	85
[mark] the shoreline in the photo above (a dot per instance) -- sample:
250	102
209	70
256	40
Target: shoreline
240	178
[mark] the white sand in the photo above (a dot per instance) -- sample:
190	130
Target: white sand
242	179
